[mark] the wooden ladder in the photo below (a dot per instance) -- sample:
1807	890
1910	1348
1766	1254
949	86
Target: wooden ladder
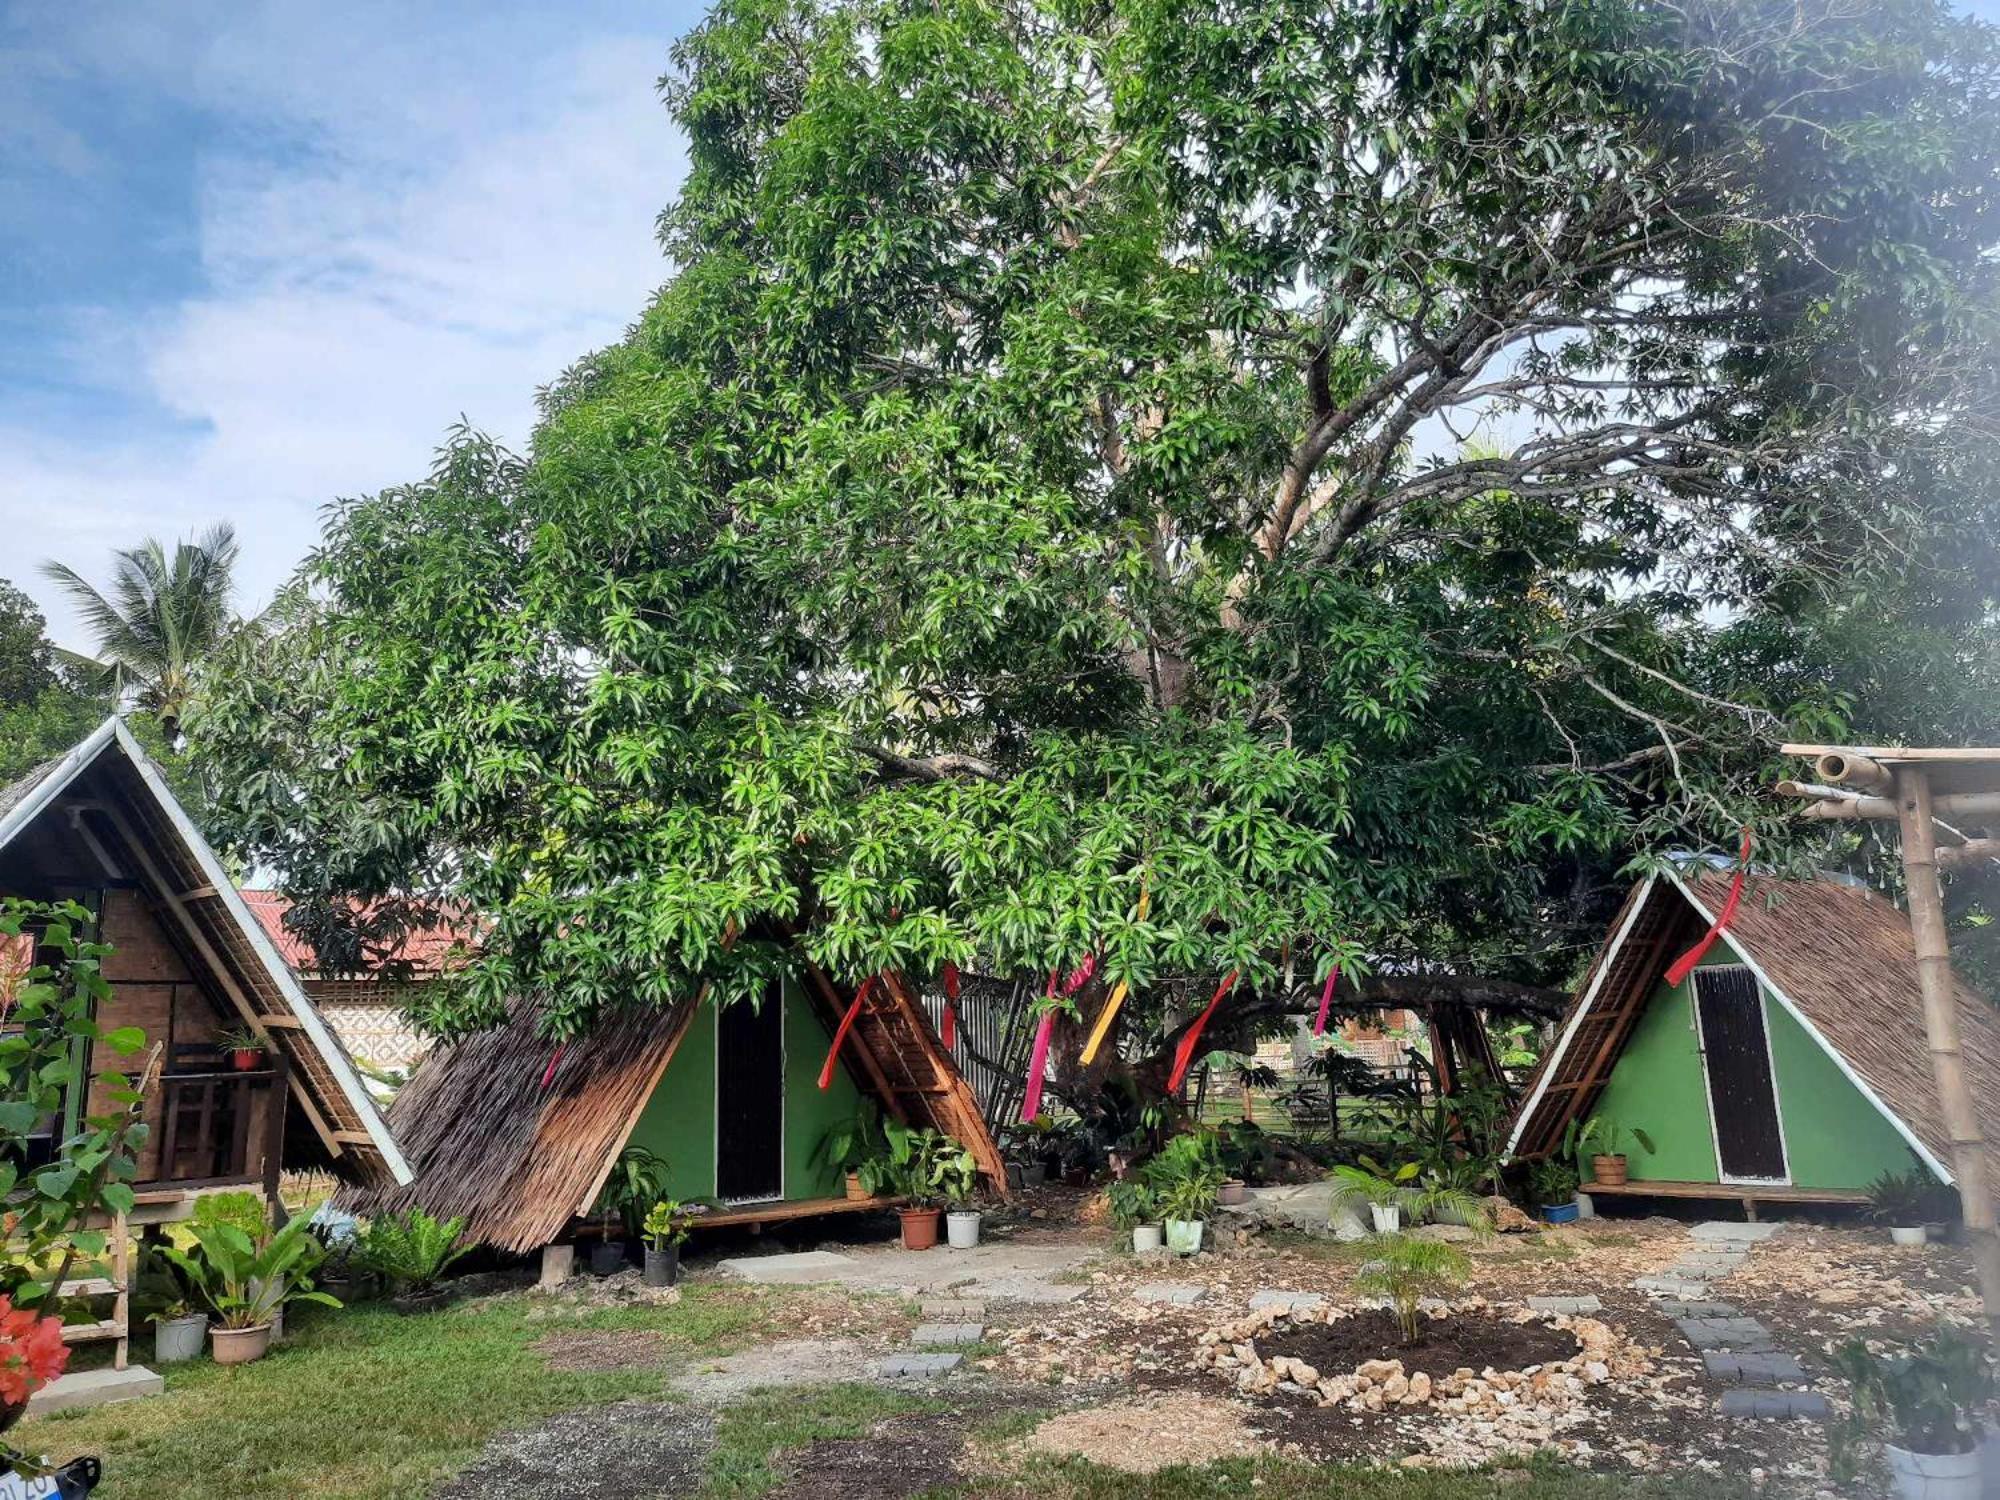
117	1286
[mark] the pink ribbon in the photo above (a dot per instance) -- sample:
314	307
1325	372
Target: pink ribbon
1326	1001
1038	1058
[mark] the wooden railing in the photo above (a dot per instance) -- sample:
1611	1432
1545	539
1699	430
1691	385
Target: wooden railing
207	1123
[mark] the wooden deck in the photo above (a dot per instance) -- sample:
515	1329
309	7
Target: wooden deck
787	1210
1747	1194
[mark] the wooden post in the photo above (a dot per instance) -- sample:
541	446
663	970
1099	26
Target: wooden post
1933	943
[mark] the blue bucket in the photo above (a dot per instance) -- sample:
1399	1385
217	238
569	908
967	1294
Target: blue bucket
1562	1213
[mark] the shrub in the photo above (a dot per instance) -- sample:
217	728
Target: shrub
1410	1270
412	1251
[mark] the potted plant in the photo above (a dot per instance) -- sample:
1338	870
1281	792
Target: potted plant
1386	1191
179	1330
1185	1177
850	1147
958	1177
912	1172
247	1284
1608	1164
411	1252
245	1047
1926	1407
1135	1208
1904	1203
664	1232
1552	1183
638	1180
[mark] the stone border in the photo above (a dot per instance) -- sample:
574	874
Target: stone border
1603	1355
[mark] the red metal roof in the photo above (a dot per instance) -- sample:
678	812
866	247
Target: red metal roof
424	948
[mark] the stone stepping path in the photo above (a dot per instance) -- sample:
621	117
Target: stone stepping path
943	1335
1573	1306
927	1357
1176	1293
1734	1348
1273	1296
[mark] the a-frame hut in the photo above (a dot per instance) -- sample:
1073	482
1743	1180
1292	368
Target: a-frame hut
728	1095
1791	1064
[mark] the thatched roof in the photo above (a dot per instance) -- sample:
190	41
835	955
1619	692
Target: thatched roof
519	1161
1839	957
135	823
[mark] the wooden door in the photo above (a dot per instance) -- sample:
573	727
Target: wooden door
750	1100
1742	1093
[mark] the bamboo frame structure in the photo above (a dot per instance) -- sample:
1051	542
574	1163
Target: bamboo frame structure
1974	778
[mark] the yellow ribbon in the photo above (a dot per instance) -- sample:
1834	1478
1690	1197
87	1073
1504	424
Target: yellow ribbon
1110	1012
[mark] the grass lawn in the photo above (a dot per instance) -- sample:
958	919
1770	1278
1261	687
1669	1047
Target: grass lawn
365	1404
368	1405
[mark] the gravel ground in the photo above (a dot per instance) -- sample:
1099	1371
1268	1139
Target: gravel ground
637	1450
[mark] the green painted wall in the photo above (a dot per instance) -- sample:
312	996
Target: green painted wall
679	1120
1834	1138
1658	1085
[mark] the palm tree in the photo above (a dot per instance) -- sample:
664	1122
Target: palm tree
162	617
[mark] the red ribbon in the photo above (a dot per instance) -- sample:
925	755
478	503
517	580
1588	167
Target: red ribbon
948	1026
549	1073
1684	965
1038	1058
1326	1001
1184	1053
839	1036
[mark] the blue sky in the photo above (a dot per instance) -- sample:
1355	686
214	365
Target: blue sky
259	255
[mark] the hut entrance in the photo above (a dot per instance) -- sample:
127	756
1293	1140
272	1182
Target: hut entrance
750	1100
1742	1095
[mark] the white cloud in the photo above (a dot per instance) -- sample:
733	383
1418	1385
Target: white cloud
405	231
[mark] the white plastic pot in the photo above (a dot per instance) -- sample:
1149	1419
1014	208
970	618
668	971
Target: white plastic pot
1146	1237
1909	1235
176	1340
1184	1235
961	1228
1933	1476
1388	1217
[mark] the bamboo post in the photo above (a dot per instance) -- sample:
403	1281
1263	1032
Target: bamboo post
1927	925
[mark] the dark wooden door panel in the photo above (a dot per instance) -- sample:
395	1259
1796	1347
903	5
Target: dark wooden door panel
750	1100
1736	1050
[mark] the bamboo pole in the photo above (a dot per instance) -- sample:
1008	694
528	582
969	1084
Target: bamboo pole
1969	805
1933	945
1843	768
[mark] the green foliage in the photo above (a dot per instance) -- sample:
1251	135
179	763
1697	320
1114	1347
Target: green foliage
161	619
1931	1399
1185	1176
668	1223
1553	1180
1910	1198
851	1144
1602	1136
1026	494
27	659
921	1165
412	1251
1133	1201
638	1180
1407	1271
245	1281
241	1210
51	995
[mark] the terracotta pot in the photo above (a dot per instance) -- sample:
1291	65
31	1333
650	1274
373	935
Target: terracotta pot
856	1193
245	1059
1232	1191
1610	1170
920	1227
238	1346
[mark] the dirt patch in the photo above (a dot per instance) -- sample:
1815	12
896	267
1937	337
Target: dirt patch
1152	1433
1447	1344
635	1448
902	1456
587	1351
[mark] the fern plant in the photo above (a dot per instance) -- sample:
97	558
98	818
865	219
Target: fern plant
412	1251
1407	1271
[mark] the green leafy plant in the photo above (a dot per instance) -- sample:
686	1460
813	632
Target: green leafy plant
1185	1176
245	1282
1409	1270
854	1143
59	1165
958	1176
919	1164
1909	1198
1928	1399
1601	1136
1133	1201
1553	1179
668	1223
241	1210
411	1251
241	1039
638	1180
1406	1188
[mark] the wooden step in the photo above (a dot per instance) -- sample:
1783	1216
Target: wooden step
88	1286
84	1333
